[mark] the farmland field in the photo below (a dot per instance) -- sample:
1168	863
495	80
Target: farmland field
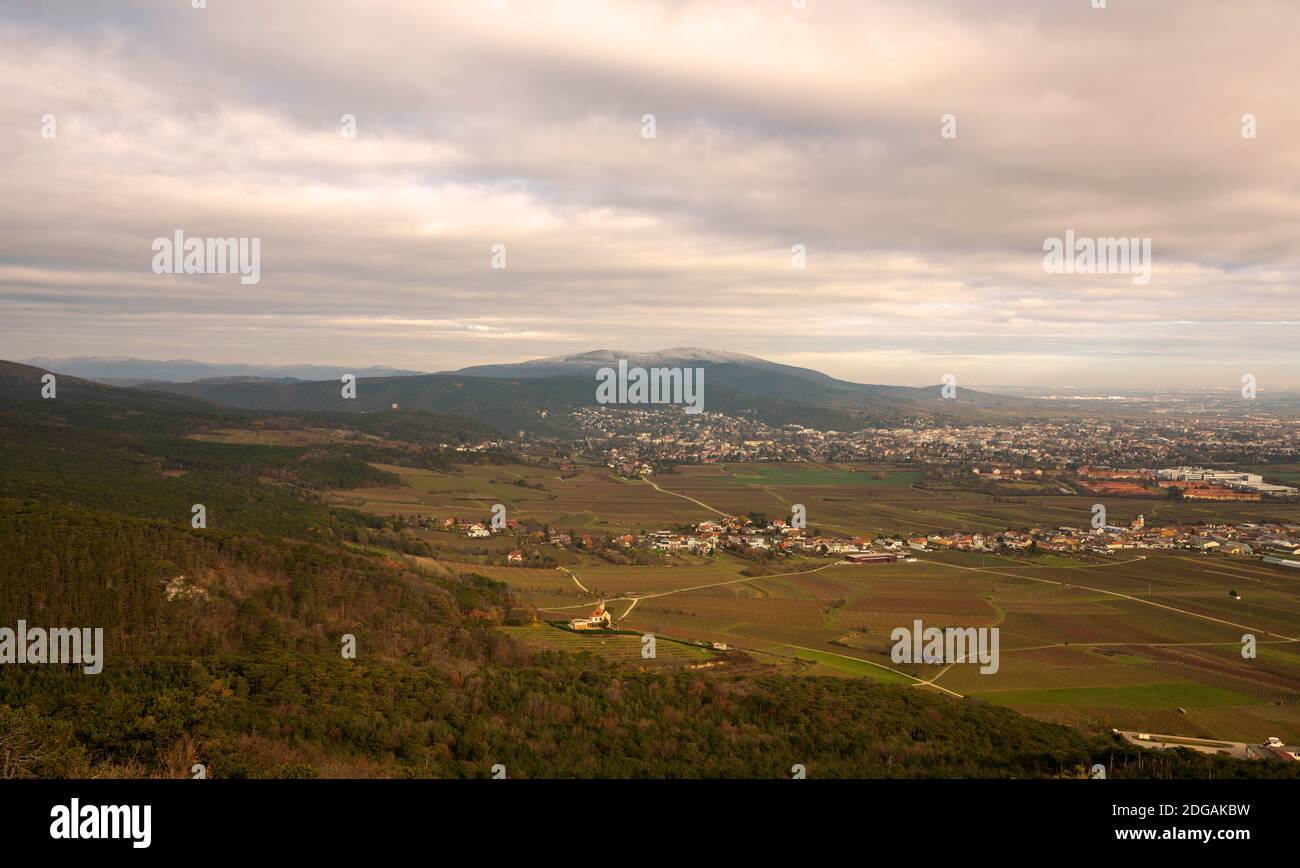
1140	640
591	500
845	499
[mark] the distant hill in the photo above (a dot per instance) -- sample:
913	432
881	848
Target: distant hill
124	370
540	395
727	362
582	363
82	401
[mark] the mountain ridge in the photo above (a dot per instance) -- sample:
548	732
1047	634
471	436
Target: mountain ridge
544	396
130	371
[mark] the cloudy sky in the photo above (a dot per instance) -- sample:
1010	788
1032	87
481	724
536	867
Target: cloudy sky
773	126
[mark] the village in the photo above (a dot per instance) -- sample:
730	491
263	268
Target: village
757	537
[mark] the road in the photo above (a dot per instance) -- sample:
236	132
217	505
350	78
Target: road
1238	749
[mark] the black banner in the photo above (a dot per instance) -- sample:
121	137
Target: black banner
146	818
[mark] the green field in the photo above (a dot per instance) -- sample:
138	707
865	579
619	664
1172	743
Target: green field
1081	644
1144	638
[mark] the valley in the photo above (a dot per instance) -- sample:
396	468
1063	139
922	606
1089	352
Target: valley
1147	639
375	529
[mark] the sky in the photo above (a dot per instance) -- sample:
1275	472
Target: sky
921	152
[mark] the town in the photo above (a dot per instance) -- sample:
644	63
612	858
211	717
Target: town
633	441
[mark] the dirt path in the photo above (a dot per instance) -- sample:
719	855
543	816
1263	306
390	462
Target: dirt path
575	581
682	496
917	681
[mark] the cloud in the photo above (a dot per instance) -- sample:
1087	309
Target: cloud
774	127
